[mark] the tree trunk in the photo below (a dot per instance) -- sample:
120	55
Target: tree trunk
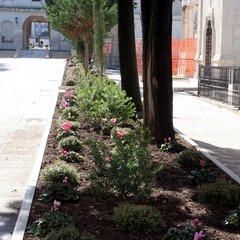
127	52
157	68
86	56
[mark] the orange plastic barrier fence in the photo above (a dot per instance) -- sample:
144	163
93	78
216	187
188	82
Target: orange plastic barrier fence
183	54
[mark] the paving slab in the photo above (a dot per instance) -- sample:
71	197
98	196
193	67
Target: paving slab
29	90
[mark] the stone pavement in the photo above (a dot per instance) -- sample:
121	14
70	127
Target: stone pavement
29	90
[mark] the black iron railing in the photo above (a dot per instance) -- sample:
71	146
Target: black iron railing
220	83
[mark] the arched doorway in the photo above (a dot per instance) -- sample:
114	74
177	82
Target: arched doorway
31	26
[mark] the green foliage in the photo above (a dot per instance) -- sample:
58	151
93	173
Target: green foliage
51	221
186	233
60	192
137	218
70	143
68	233
72	157
56	172
203	175
102	98
189	159
71	82
220	193
64	134
170	145
87	236
70	113
233	219
126	168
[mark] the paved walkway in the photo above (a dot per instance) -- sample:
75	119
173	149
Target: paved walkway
29	89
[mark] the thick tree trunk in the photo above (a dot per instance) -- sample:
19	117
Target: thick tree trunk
127	52
157	68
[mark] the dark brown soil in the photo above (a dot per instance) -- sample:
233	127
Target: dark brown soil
172	194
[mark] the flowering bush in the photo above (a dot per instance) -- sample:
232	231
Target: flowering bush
126	168
170	145
70	143
70	156
194	232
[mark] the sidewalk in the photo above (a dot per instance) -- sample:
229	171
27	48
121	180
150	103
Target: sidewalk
29	90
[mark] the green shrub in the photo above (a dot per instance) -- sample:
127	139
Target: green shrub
56	172
203	175
186	233
51	221
126	168
190	159
170	145
71	156
233	219
220	193
68	233
137	218
100	98
71	82
60	192
70	143
70	113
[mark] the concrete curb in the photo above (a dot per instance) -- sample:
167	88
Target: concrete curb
206	153
23	215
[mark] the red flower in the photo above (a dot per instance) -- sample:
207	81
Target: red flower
120	134
202	163
66	126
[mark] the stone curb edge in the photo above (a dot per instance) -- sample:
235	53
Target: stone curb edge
20	226
206	153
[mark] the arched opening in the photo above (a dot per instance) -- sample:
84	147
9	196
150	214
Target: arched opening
208	47
36	32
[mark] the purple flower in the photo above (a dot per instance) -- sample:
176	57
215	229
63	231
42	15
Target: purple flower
198	235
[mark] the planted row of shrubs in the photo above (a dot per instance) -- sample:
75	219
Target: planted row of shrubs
123	168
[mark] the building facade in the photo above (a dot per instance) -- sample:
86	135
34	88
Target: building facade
23	24
218	33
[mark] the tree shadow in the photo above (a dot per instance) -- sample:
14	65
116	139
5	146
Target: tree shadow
3	67
229	157
8	218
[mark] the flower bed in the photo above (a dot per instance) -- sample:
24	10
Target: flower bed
113	183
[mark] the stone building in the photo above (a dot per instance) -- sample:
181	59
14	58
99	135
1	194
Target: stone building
218	33
23	24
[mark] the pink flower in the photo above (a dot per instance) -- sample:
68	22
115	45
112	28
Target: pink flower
165	140
65	104
69	94
66	126
202	163
56	205
198	235
104	120
120	134
195	222
65	152
113	120
65	180
107	155
169	139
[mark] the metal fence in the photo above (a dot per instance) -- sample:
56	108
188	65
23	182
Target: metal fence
220	83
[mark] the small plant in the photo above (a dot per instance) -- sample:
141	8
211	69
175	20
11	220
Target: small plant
194	232
63	192
56	172
190	159
204	175
68	233
220	193
126	168
137	218
233	219
51	221
70	113
71	156
71	82
170	145
70	143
